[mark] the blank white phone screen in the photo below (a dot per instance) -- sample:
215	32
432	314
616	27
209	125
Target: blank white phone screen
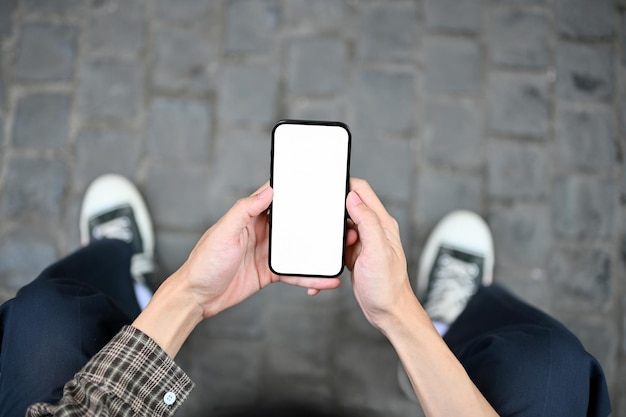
309	177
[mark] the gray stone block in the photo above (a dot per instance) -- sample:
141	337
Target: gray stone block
172	250
517	171
584	72
295	348
41	121
519	104
7	8
453	66
522	235
452	134
185	10
586	20
181	60
55	6
24	253
453	15
46	52
70	241
227	368
366	378
586	139
530	284
319	15
583	207
371	159
2	89
242	321
305	109
179	129
388	32
522	2
34	186
230	182
623	342
235	150
623	50
248	95
119	26
385	101
623	180
251	25
302	389
110	89
178	196
102	152
519	38
316	66
581	278
439	193
298	388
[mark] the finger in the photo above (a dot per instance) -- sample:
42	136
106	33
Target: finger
313	292
370	198
352	254
246	209
312	283
368	195
351	237
370	230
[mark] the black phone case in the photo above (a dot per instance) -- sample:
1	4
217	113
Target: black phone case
347	188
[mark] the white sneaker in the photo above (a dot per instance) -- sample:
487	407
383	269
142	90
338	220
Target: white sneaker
114	209
457	259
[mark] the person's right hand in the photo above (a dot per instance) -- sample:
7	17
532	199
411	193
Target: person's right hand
375	255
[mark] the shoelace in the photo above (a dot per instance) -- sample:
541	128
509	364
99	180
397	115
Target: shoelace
120	228
453	285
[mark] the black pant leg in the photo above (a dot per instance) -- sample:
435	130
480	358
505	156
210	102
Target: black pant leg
525	362
59	321
103	265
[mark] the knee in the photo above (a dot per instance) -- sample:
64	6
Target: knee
528	368
45	307
60	317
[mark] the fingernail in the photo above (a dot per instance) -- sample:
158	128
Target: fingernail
263	192
356	200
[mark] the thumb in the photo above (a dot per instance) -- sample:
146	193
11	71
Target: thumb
246	209
367	222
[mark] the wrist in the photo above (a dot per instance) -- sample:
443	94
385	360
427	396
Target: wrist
406	314
171	315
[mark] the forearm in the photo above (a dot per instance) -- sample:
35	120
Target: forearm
440	381
171	316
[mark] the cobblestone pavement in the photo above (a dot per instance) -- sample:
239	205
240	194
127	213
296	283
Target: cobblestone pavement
513	108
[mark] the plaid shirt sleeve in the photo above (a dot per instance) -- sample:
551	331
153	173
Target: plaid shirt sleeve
130	376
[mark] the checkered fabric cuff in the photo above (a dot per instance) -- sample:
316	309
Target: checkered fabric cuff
137	371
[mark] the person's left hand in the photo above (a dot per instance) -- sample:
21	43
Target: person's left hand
230	262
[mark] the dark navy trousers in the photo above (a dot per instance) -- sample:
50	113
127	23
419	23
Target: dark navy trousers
59	321
524	362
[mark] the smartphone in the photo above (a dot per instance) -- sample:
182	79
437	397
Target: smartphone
310	172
